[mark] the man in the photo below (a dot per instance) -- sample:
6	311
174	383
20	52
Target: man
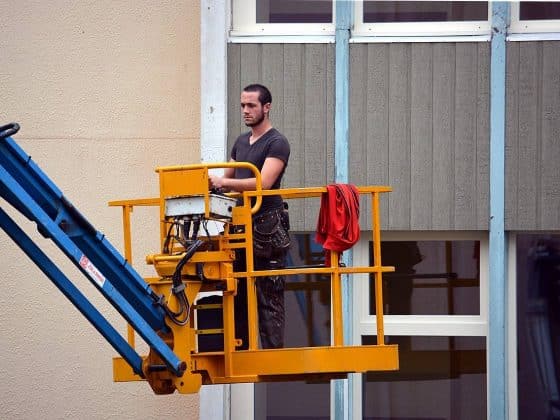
267	149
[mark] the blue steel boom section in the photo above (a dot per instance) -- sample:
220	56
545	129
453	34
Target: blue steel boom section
26	188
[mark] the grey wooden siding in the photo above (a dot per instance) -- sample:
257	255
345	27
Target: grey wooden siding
533	136
301	79
419	122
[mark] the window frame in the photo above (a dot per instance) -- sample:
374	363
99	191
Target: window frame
415	325
244	28
244	23
418	29
518	26
431	325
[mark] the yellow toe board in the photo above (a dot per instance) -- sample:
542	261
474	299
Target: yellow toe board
299	363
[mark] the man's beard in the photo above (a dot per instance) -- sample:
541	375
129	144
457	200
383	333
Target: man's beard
257	121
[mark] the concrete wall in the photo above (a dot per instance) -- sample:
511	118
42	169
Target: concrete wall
104	91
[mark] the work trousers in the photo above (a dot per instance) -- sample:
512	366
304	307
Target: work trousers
270	298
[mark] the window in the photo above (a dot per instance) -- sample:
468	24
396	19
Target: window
282	17
538	326
535	17
430	278
388	18
435	307
308	324
439	285
438	378
406	18
298	11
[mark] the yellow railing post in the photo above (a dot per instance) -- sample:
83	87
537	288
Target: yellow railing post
336	290
377	264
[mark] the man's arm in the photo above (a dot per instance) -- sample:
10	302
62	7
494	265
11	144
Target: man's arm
271	170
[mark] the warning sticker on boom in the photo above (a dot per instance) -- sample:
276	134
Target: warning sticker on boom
92	271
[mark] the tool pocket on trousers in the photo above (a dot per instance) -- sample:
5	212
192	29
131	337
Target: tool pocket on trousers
270	237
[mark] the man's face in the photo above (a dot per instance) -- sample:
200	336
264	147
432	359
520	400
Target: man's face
252	110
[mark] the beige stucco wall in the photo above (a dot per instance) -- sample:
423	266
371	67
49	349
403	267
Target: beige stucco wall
104	91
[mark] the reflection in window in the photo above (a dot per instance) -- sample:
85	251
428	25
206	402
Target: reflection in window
539	10
308	297
294	11
438	378
424	11
538	326
430	278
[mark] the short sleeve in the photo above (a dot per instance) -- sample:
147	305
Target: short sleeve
280	149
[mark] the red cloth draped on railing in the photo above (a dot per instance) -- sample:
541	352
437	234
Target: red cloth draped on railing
338	227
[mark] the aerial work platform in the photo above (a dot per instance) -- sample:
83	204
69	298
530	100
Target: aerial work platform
193	259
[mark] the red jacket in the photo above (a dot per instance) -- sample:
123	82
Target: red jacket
338	227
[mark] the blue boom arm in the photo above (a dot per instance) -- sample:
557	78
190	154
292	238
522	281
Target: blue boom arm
26	188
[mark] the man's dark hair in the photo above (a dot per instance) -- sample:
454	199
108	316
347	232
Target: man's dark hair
264	94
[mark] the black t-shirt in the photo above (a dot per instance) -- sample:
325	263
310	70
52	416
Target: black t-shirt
271	144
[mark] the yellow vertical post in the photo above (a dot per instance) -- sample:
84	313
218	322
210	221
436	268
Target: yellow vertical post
336	290
229	335
377	264
252	318
127	209
252	308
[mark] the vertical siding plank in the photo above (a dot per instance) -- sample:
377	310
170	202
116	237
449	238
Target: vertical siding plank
273	78
377	124
294	126
465	135
358	162
421	111
250	72
512	146
251	59
527	135
399	136
550	150
482	173
329	115
315	136
234	90
443	138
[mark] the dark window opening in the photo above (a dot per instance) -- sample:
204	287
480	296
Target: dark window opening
294	11
438	378
539	10
430	278
308	324
538	326
424	11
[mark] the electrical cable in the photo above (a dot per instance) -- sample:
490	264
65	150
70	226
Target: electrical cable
178	289
168	239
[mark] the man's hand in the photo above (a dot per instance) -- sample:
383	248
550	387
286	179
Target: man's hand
217	182
270	172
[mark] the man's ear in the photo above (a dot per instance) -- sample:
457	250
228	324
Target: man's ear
266	107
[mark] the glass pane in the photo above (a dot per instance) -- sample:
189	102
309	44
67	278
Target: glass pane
292	401
438	378
430	278
294	11
307	298
308	323
538	326
424	11
539	10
